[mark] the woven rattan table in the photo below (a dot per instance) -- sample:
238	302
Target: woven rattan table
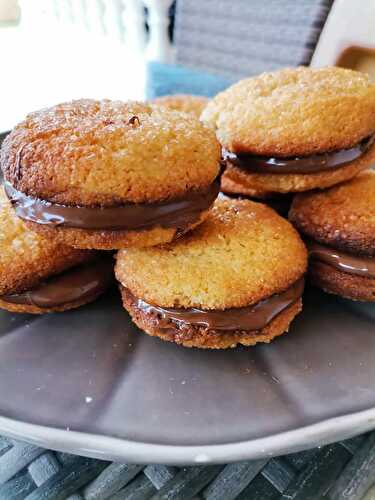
344	470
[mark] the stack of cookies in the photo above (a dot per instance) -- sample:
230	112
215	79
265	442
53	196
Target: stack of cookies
88	180
308	131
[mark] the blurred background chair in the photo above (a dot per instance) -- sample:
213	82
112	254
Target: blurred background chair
241	38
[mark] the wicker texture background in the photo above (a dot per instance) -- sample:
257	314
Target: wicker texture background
343	470
240	38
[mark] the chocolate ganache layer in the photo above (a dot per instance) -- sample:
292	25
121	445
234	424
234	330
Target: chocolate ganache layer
299	165
173	213
77	283
251	318
348	263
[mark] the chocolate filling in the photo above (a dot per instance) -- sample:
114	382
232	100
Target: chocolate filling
251	318
175	213
299	165
78	283
348	263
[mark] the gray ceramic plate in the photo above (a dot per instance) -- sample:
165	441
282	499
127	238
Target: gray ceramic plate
88	382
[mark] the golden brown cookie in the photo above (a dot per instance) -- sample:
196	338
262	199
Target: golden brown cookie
296	129
108	174
236	279
183	102
39	275
339	225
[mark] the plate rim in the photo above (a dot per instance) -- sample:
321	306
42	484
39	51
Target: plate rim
122	450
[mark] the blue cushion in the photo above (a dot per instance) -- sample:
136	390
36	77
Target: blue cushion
164	79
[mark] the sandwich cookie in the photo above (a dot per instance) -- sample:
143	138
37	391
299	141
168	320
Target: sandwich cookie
38	275
339	227
236	279
106	175
183	102
295	130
